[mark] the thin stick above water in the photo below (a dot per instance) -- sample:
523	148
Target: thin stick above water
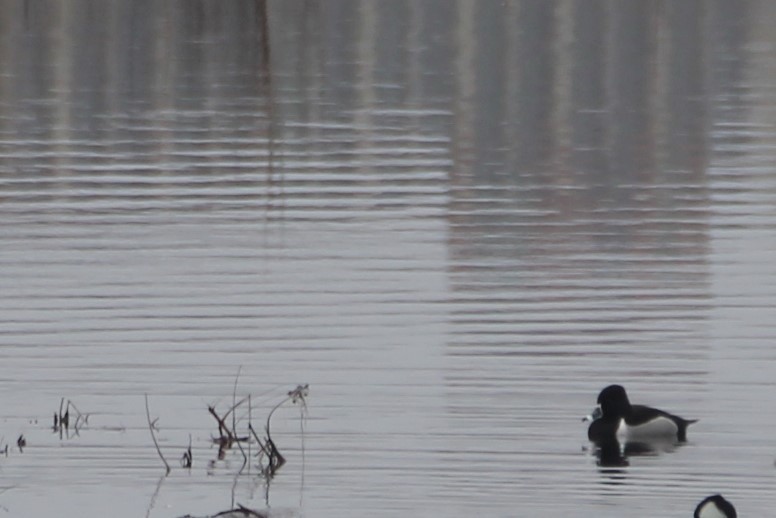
151	428
234	401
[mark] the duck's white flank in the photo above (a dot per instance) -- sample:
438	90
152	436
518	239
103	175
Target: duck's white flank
659	427
710	510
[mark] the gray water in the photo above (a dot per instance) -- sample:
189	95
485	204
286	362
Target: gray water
456	221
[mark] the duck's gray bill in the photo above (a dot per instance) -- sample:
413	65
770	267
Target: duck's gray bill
596	414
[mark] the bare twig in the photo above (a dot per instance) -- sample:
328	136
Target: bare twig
266	445
224	433
240	510
153	436
187	457
234	400
245	457
297	395
249	427
232	411
234	420
62	420
263	451
79	418
21	442
226	436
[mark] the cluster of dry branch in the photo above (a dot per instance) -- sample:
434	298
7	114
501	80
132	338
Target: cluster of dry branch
268	459
62	419
61	425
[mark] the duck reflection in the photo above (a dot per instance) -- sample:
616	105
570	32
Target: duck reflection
613	453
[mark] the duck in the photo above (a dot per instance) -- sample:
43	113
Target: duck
616	418
715	506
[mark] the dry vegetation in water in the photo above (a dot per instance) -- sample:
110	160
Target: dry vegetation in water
234	430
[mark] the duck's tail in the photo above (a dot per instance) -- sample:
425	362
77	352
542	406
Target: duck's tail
683	429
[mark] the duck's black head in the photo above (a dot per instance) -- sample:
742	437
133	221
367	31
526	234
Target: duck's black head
614	401
715	506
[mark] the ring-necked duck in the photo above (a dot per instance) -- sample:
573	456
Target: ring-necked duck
715	506
615	416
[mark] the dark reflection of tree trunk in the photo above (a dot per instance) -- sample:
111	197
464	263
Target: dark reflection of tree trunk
265	80
263	25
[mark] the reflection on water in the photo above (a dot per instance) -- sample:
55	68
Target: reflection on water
456	221
613	453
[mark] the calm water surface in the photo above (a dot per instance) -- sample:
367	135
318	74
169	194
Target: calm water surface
457	222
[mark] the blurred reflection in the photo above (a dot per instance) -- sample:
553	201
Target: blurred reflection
613	453
590	169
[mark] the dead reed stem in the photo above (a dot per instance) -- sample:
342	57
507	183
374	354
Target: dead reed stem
153	436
